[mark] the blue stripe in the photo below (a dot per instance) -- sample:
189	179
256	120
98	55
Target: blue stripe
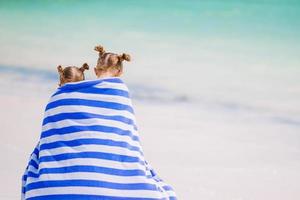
90	183
33	164
89	141
23	190
32	175
36	152
94	90
73	129
89	103
92	169
167	188
92	154
87	197
85	115
24	177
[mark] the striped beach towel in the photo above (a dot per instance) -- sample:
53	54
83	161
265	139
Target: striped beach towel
89	148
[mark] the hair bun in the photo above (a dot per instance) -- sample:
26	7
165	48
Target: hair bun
85	66
125	56
60	69
100	49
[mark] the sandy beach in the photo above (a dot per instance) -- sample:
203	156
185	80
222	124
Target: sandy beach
203	153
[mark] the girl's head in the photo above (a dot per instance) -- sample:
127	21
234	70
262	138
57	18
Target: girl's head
109	64
71	73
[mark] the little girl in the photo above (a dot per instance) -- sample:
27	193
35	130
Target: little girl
109	64
71	73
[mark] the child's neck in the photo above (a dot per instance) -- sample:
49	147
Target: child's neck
106	75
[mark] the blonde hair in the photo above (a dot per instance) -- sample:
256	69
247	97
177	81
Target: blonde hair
71	73
108	60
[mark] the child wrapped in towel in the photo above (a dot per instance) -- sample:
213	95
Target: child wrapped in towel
89	147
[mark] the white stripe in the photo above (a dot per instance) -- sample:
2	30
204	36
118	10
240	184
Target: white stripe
90	134
88	109
94	148
148	173
110	85
99	97
92	162
93	191
91	176
32	169
89	122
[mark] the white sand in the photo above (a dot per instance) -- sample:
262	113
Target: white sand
203	152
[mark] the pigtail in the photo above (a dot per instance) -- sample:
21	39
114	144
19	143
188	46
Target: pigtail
61	75
124	56
84	67
60	70
100	49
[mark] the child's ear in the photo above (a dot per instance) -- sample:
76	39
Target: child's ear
119	72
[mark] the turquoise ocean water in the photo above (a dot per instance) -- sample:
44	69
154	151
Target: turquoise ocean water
243	54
